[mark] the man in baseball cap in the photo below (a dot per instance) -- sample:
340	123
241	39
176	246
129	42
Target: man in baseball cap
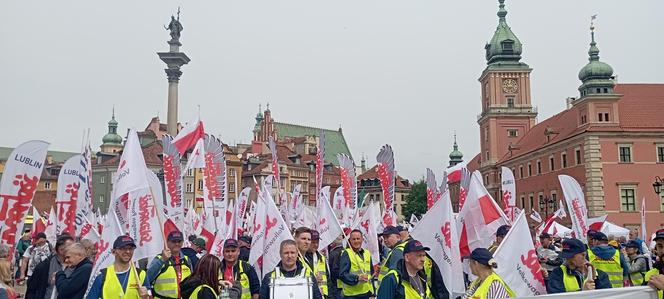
168	269
392	239
124	272
238	272
655	277
638	263
403	233
608	259
572	275
318	263
501	232
245	245
408	274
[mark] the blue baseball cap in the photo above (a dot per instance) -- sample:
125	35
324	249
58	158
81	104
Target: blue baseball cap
231	243
633	244
502	230
175	236
413	246
600	236
389	230
572	247
481	255
123	241
315	236
659	235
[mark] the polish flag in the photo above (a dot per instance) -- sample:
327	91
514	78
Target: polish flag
479	218
197	157
596	223
189	135
454	173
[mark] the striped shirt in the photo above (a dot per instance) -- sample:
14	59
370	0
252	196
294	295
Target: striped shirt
496	291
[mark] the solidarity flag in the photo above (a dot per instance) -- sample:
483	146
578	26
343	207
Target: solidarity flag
38	223
240	210
275	166
386	174
189	135
433	193
508	187
518	264
130	175
349	188
84	209
19	183
51	230
320	161
444	242
296	204
576	203
105	257
215	180
479	218
276	231
367	225
258	240
69	183
328	225
144	226
173	182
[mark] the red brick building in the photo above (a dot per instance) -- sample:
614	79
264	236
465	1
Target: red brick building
610	138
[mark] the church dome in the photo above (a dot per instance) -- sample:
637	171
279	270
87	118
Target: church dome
504	46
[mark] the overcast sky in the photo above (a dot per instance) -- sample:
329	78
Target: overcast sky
397	72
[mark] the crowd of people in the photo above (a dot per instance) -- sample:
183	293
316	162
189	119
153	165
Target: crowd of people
344	269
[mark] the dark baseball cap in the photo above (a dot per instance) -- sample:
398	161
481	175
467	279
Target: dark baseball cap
572	247
389	230
402	228
481	255
413	246
175	236
633	244
40	235
231	243
315	236
600	236
659	235
545	235
245	239
502	230
200	242
591	233
123	241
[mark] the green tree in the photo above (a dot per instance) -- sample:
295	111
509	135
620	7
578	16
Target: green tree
416	200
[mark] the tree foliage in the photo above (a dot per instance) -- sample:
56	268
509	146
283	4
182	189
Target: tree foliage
416	200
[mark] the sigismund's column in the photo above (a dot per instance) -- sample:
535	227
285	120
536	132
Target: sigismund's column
174	59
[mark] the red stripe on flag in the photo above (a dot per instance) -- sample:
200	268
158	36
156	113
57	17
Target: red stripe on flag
489	212
454	176
464	248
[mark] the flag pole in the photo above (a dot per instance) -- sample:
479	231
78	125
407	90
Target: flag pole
161	221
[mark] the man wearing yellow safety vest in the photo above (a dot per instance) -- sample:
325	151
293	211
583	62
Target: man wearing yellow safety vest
638	264
608	259
239	273
392	240
655	276
318	264
576	273
407	280
120	280
289	266
355	269
168	269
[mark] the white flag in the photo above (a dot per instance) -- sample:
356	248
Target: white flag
105	257
51	227
276	231
328	225
518	264
66	198
144	225
241	210
130	175
84	209
643	219
508	187
576	203
437	230
367	225
173	183
338	203
197	156
535	216
258	240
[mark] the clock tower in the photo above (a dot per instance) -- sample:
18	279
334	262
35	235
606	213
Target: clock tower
507	112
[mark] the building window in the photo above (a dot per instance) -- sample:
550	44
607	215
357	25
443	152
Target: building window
554	204
563	160
625	152
521	171
539	167
486	180
660	154
599	115
606	117
189	188
540	198
101	197
231	187
231	172
510	102
486	134
577	156
552	164
523	202
661	200
486	156
47	185
627	199
532	201
190	172
200	185
512	132
530	169
102	179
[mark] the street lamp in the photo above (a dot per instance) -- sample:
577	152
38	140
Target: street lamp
546	202
657	185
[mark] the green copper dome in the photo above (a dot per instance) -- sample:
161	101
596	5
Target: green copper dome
112	136
504	47
597	76
456	156
259	117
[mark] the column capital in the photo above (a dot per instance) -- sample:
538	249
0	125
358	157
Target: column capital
173	74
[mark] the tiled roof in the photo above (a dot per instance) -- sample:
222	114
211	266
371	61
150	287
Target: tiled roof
58	156
151	153
335	142
640	109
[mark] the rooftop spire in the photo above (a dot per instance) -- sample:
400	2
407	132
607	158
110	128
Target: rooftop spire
597	76
504	49
501	11
456	156
593	52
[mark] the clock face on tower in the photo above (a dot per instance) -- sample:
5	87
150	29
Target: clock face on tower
510	86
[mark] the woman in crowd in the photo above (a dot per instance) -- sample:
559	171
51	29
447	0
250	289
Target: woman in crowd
5	273
204	282
488	284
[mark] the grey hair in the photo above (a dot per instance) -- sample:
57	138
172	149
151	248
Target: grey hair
77	248
4	251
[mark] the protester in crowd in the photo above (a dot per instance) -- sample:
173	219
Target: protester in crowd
74	284
655	276
289	266
576	273
122	279
204	282
245	245
639	264
501	232
334	256
408	279
634	236
319	263
355	269
195	252
548	253
657	282
303	241
392	240
488	284
609	259
404	235
169	268
39	251
191	239
41	283
90	249
21	246
6	273
238	273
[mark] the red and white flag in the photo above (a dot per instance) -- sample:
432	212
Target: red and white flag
455	172
296	204
576	203
433	193
276	231
241	210
508	187
258	231
197	156
320	162
349	185
479	218
518	263
69	183
338	203
444	242
173	182
367	225
38	223
596	223
51	229
105	257
85	216
89	230
130	175
144	221
19	183
189	135
386	175
328	225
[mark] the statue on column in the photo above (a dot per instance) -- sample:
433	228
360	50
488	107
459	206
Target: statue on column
175	27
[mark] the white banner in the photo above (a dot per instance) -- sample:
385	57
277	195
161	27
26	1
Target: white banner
296	204
20	180
258	231
444	242
328	225
620	293
144	224
508	188
66	197
242	202
518	264
105	257
84	209
576	203
51	230
276	231
338	203
130	174
367	224
173	183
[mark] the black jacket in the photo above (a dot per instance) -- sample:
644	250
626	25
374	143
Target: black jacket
36	285
265	284
244	254
191	254
438	288
189	284
555	283
254	282
74	286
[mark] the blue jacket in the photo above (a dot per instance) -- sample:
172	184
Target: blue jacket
74	286
556	285
392	288
606	252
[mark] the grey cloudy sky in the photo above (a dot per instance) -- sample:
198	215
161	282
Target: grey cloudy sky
397	72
